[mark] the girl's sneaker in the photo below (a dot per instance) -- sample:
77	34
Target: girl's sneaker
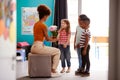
62	71
68	70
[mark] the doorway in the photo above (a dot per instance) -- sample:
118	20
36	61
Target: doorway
99	27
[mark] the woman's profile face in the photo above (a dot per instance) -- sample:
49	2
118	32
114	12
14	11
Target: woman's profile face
45	17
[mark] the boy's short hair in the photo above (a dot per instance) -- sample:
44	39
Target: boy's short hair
82	17
87	20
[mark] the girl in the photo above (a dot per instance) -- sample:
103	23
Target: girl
64	44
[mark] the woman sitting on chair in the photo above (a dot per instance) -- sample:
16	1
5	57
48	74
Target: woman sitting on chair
40	34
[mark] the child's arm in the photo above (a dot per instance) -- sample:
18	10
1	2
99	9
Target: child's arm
75	40
68	40
58	34
86	44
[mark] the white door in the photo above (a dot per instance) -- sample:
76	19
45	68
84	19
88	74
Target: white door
7	40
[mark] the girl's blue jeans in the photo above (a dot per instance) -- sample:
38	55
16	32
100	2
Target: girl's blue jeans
65	55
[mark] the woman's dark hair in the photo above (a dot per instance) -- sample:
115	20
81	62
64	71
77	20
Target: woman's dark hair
43	10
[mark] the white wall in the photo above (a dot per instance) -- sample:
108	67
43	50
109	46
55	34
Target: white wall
98	12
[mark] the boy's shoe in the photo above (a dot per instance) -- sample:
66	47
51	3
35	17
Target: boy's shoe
84	74
78	72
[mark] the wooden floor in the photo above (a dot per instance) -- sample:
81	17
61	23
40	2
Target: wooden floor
99	71
98	68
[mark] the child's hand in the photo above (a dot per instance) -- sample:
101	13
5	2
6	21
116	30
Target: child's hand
64	45
75	46
84	52
78	45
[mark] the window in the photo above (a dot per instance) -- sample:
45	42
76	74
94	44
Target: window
73	14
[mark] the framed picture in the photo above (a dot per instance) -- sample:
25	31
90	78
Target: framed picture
29	18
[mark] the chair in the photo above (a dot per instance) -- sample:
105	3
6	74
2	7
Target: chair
39	65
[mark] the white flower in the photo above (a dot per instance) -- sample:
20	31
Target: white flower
53	28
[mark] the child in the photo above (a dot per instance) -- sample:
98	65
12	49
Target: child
79	31
86	47
64	44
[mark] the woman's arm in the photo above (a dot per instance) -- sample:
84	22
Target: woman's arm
47	37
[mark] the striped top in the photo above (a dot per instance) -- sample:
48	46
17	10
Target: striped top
83	36
63	37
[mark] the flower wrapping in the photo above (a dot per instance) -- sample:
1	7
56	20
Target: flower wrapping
53	30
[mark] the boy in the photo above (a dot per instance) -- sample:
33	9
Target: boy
85	49
78	34
81	43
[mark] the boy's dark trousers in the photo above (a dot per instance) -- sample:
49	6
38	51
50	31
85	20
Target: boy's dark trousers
86	60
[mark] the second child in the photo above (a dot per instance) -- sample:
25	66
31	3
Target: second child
64	35
84	47
78	34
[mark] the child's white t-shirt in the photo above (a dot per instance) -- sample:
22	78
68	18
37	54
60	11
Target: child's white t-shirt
79	31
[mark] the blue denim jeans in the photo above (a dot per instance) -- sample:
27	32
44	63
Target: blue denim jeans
65	55
79	57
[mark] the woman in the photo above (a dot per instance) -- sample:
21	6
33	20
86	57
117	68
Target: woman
40	34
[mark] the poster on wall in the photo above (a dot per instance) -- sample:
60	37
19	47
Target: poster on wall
29	17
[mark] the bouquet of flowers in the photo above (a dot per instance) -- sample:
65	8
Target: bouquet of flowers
53	30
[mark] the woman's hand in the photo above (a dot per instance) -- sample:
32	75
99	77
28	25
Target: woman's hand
54	39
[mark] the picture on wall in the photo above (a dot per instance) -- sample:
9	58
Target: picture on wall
29	17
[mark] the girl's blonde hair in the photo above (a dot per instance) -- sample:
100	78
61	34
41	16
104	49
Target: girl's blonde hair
68	25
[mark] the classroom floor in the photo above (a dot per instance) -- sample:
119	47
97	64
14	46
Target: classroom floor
98	70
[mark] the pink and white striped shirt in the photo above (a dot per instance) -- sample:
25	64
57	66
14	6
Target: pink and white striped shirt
63	37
